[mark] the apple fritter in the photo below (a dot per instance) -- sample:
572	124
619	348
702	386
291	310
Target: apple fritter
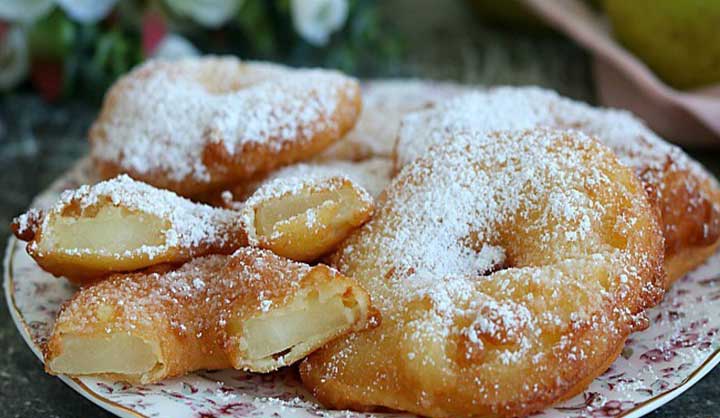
509	268
305	218
123	225
197	124
251	310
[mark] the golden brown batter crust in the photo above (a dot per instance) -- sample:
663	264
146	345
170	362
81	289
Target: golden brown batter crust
508	271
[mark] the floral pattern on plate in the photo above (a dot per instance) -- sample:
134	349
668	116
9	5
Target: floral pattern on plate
681	345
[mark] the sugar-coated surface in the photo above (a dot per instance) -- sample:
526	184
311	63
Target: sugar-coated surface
142	300
193	317
685	195
185	314
27	221
456	197
385	102
146	300
296	189
299	186
676	345
372	174
505	265
529	107
161	116
188	224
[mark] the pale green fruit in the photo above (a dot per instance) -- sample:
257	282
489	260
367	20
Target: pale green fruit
678	39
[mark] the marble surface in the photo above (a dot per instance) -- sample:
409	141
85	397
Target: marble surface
39	141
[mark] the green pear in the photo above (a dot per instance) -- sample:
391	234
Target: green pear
678	39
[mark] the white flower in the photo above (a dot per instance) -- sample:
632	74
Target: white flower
212	13
175	46
14	59
86	11
315	20
24	10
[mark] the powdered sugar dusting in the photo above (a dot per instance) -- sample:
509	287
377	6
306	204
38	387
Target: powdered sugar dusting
284	186
465	206
171	301
161	117
26	222
276	112
385	102
372	174
500	241
189	225
147	300
530	107
686	196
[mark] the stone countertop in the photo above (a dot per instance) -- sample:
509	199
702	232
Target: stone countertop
39	141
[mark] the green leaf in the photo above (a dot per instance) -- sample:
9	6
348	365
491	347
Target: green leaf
52	37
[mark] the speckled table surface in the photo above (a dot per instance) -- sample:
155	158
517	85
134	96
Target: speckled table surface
40	141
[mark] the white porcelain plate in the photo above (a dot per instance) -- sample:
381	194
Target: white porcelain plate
680	347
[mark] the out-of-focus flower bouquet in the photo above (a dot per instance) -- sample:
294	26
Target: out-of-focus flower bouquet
79	47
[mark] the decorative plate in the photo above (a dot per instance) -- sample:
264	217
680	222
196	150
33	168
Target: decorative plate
680	347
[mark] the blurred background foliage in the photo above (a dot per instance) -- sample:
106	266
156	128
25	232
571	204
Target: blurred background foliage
63	48
77	48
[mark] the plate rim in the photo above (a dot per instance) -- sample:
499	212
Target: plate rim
639	410
22	327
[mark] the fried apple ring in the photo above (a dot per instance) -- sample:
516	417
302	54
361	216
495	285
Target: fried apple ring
304	218
509	269
197	124
252	311
123	225
385	102
685	195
